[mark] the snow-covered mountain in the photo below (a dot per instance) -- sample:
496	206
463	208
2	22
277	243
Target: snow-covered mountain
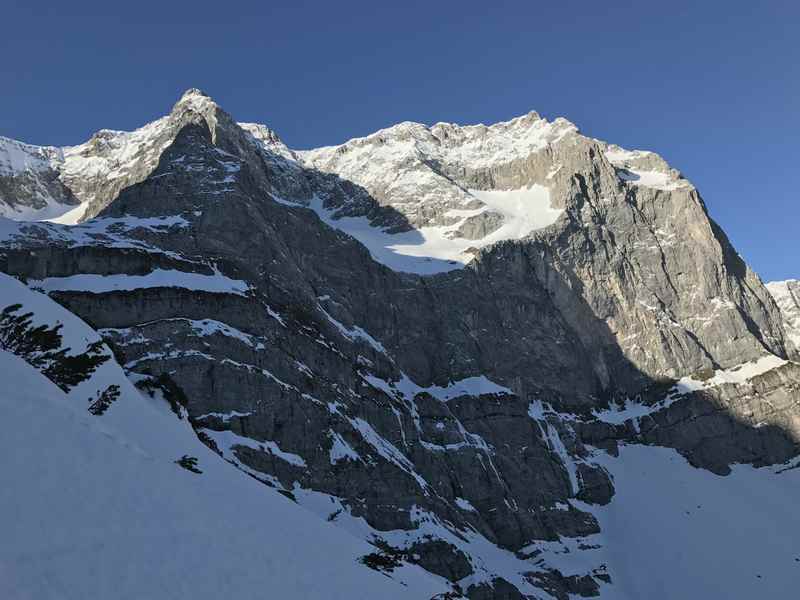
453	190
39	183
70	184
523	359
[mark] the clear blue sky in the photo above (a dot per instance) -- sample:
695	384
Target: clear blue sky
712	86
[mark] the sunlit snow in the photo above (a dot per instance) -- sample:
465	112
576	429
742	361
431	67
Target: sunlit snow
429	250
652	179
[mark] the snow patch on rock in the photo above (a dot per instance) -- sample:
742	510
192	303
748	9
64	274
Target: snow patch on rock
438	249
99	284
469	386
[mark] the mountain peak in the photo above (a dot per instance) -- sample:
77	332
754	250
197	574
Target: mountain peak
197	100
519	121
194	92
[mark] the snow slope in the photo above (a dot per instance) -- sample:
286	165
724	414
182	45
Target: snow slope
99	509
52	211
673	531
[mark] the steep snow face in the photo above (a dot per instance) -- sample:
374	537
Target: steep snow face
524	211
51	210
99	508
16	157
787	296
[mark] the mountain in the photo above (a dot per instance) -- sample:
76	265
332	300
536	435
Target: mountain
91	174
523	359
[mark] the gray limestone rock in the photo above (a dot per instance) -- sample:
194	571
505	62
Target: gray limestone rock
442	407
787	297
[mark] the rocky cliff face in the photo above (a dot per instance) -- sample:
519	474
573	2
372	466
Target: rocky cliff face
138	494
433	336
787	297
633	251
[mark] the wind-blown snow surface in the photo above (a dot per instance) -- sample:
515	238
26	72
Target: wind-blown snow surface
674	531
95	506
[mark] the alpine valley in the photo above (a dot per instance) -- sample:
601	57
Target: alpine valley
493	362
